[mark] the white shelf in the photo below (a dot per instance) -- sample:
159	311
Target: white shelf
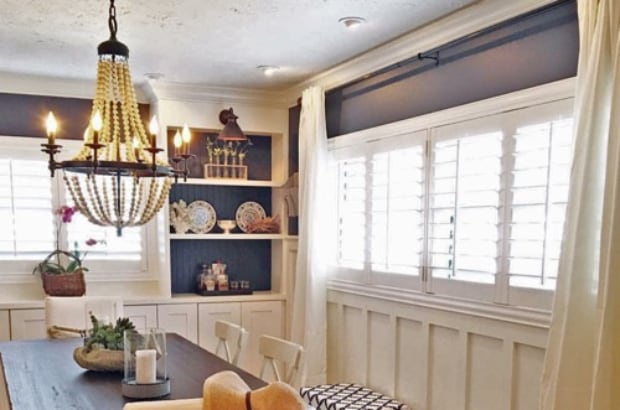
231	236
230	182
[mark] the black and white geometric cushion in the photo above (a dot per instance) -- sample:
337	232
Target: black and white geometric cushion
348	397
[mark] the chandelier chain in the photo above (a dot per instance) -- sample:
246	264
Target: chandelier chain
112	24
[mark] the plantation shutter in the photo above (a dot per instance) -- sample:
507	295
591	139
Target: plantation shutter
351	176
397	211
542	158
464	206
25	210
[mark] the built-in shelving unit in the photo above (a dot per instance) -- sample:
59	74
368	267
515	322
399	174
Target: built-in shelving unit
264	259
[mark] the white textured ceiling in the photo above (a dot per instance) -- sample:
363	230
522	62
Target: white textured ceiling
207	42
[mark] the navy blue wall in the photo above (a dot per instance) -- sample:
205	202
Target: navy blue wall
539	49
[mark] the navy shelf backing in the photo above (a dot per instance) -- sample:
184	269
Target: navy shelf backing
258	158
245	260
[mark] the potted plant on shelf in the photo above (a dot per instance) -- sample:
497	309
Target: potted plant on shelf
61	271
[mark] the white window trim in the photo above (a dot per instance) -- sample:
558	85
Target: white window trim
488	295
104	271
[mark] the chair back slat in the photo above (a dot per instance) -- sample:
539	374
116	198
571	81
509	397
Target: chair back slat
282	354
230	336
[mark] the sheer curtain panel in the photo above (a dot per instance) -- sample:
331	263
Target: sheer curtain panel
581	369
308	326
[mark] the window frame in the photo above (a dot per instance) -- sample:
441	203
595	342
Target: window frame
500	292
100	270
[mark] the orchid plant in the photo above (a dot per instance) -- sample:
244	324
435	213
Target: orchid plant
60	261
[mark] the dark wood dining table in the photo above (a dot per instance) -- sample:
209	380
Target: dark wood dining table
41	375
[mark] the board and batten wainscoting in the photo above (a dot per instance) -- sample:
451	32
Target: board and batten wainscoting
434	355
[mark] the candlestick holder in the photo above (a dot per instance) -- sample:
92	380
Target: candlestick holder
145	359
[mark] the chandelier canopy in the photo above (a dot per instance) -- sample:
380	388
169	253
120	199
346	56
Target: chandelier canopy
117	178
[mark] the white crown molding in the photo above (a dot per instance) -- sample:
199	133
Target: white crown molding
165	90
456	25
28	84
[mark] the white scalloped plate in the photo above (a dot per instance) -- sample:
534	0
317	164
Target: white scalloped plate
249	212
202	216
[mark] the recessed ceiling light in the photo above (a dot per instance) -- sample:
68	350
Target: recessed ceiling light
352	22
154	76
268	70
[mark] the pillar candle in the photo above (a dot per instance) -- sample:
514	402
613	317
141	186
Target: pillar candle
146	366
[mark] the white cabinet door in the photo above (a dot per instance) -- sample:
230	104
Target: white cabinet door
181	319
208	313
143	317
5	330
260	318
28	324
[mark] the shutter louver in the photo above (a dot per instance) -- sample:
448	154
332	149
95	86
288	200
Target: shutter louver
464	207
397	212
351	212
25	210
541	173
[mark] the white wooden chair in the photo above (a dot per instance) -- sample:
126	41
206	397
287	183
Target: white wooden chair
286	360
74	313
229	334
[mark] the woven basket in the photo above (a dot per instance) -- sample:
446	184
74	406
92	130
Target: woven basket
64	284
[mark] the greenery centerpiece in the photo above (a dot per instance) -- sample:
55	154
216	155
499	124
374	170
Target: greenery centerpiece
103	345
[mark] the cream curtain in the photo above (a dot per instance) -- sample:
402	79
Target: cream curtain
308	325
582	364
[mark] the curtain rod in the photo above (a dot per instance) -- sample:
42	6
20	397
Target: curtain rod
433	53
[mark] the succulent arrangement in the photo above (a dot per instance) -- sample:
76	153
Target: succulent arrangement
107	336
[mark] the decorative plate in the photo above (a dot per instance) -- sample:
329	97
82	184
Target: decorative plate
247	213
202	216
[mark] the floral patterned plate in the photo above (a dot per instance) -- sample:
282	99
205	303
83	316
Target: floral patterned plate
247	213
202	216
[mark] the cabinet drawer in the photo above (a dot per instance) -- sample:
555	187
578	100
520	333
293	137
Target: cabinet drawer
28	324
208	313
181	319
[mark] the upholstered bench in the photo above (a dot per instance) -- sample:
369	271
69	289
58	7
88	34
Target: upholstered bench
348	397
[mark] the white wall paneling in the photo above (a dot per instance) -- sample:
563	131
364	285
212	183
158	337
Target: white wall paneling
5	329
28	324
142	316
433	358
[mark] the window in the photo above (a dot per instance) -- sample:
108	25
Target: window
472	209
28	197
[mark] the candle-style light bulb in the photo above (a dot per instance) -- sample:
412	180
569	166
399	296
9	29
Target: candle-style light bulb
96	124
177	143
86	134
153	129
51	126
136	148
187	136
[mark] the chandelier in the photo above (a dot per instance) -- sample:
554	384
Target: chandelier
117	178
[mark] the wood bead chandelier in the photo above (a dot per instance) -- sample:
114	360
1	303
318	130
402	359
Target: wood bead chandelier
116	179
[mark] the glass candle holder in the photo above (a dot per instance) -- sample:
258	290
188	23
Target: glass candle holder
145	364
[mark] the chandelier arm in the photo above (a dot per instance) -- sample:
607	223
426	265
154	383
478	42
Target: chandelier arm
116	198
